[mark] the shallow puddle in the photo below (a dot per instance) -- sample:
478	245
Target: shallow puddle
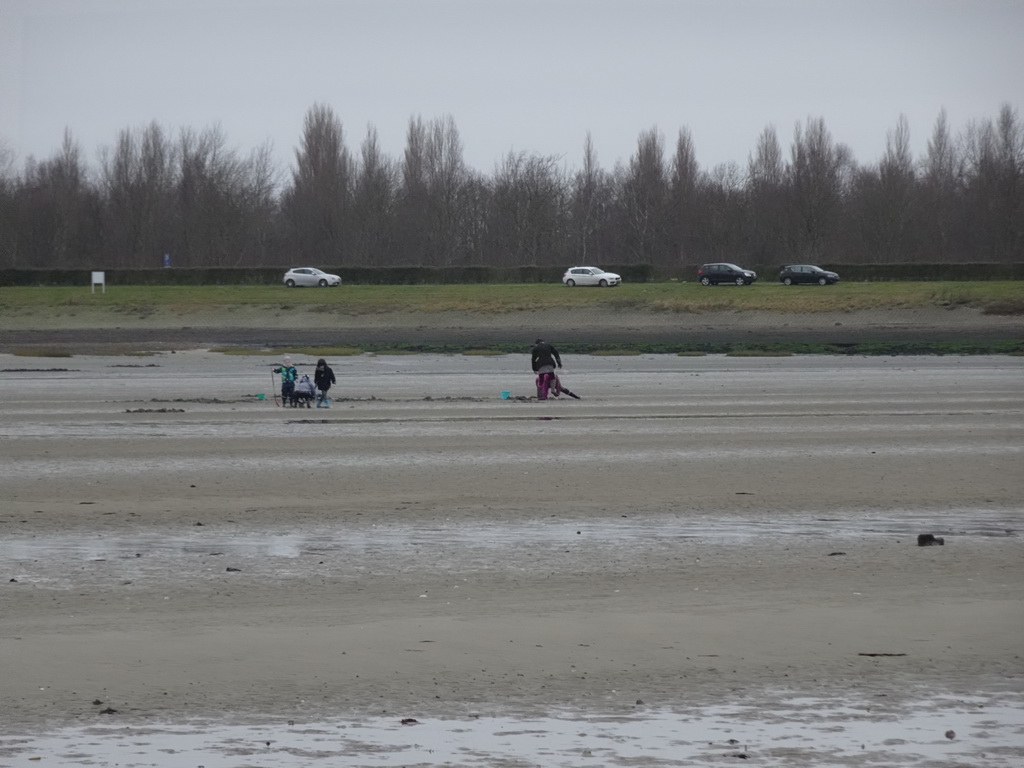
777	730
65	560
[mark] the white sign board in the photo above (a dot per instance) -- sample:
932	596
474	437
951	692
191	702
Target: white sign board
98	278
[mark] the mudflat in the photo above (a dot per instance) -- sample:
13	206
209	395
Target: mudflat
693	533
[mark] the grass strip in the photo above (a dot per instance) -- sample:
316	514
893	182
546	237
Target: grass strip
780	349
995	297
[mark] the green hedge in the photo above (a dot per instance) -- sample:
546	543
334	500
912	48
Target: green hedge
857	273
631	273
868	273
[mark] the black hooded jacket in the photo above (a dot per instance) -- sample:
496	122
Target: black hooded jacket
545	354
324	376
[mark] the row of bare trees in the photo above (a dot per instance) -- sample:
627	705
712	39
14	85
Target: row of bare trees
192	196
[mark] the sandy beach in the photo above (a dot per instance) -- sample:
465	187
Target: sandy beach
693	533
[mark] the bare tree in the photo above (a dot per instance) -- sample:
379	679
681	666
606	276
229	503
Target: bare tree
56	215
527	209
723	212
258	201
941	170
446	175
993	188
6	161
210	194
981	184
69	179
436	195
766	186
508	210
643	194
138	179
683	194
9	230
376	181
413	224
819	173
1010	184
894	202
208	204
318	203
476	206
588	207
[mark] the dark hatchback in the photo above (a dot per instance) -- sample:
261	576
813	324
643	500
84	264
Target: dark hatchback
723	272
795	274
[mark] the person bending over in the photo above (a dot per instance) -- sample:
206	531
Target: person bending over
545	359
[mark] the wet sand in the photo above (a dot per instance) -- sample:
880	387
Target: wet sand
695	532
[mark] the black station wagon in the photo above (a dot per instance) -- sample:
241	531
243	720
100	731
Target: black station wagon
795	274
723	272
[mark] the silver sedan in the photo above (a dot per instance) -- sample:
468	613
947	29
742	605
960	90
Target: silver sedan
309	276
590	276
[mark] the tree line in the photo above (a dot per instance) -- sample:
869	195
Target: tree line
191	196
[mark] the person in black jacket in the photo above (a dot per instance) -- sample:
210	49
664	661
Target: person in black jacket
545	359
323	378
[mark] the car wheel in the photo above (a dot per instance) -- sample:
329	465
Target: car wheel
322	283
740	281
289	283
570	283
705	281
788	281
822	281
603	284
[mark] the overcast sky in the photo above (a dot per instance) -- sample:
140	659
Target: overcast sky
522	75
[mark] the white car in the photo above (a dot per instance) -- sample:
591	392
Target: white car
309	276
590	276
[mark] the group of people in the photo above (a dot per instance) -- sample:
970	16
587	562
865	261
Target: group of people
299	391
